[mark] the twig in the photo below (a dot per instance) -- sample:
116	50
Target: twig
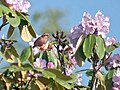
3	25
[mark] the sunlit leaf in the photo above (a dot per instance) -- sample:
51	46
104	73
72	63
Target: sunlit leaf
25	34
79	42
100	76
40	85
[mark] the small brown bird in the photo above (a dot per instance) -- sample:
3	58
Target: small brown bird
41	40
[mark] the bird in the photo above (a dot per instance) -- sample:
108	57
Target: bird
41	41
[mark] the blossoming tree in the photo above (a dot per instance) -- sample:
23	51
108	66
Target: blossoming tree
48	63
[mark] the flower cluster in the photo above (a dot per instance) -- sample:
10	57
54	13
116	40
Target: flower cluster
70	65
99	26
41	63
114	61
110	41
79	79
18	5
116	80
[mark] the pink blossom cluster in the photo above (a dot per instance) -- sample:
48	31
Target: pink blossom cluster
114	61
70	66
116	80
41	63
71	63
99	26
110	41
79	79
18	5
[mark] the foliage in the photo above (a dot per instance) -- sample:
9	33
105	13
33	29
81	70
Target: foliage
48	63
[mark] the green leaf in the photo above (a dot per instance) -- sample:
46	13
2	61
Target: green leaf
4	9
110	48
34	86
1	14
89	72
14	52
44	80
10	57
100	87
79	42
63	83
79	54
14	68
31	30
44	55
25	34
14	21
59	74
88	45
100	47
10	31
80	57
48	74
117	44
52	57
40	85
23	16
108	79
25	54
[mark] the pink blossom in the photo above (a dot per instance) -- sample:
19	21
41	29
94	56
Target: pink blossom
116	80
109	41
40	63
11	2
19	5
114	61
98	25
75	33
79	79
69	69
50	65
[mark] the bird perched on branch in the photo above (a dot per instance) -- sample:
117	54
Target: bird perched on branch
41	41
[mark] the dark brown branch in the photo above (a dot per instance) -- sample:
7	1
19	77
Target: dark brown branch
3	25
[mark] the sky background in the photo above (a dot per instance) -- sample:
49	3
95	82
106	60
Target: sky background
74	9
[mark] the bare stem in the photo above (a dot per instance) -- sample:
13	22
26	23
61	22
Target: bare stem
3	25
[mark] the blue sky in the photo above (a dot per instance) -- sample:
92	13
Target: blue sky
74	10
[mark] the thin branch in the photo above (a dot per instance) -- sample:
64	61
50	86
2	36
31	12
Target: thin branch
3	25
